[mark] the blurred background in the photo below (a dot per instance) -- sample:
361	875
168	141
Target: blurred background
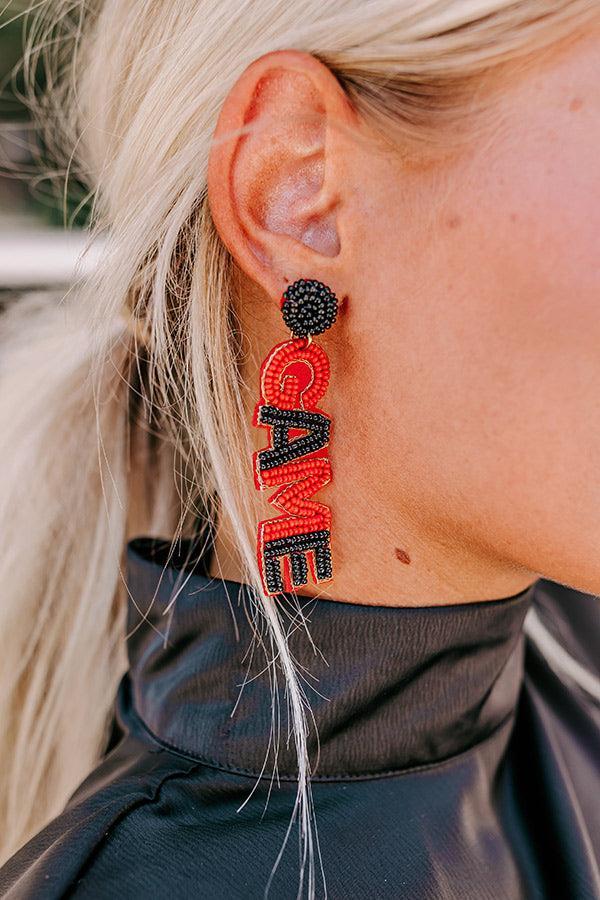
41	229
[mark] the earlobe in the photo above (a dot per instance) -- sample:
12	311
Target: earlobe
274	180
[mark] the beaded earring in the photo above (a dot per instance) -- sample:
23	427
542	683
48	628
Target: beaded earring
293	379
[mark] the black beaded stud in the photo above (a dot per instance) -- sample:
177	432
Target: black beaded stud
309	307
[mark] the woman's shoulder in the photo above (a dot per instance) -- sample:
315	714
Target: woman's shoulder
554	758
132	779
151	822
566	624
562	654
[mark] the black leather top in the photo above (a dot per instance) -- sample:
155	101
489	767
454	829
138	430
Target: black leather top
453	764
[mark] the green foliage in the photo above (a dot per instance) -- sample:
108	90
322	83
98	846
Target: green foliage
12	30
43	195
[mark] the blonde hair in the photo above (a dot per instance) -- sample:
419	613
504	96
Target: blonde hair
121	407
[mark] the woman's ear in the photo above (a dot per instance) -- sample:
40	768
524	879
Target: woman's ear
276	185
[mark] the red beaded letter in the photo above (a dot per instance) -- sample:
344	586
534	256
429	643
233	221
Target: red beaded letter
294	377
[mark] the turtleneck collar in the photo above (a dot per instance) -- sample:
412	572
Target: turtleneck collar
390	688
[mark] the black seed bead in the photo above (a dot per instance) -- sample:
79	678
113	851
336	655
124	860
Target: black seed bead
299	569
309	307
296	542
284	450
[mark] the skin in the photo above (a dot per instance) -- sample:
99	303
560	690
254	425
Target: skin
465	390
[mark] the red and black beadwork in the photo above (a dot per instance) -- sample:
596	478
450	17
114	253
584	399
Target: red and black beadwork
293	379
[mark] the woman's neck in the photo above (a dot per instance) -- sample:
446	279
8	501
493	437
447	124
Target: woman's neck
370	566
393	542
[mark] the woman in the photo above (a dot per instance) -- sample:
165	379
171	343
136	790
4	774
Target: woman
357	712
